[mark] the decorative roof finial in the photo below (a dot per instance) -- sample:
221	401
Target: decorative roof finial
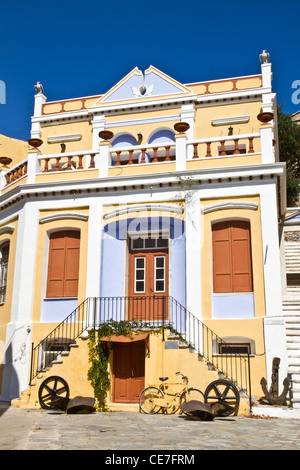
264	57
39	88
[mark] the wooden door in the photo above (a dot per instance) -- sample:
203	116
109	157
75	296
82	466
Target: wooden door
128	371
148	284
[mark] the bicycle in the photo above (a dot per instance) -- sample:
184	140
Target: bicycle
153	399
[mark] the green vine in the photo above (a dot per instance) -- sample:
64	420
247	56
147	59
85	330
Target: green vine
99	353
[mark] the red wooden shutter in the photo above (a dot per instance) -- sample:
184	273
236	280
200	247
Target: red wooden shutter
63	267
232	270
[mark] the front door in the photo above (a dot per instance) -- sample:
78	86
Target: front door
128	371
148	279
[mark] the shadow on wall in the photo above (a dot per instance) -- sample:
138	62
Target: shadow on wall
10	387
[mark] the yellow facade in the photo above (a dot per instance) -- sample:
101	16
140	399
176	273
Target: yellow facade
222	166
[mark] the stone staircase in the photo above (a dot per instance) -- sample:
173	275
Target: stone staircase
291	313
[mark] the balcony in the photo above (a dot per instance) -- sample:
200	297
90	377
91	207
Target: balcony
184	154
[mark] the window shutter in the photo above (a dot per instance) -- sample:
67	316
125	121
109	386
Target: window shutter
232	270
63	266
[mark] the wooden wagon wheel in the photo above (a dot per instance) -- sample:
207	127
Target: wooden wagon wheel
225	392
52	389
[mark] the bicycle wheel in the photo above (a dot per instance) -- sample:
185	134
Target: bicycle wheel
191	394
147	400
51	389
223	392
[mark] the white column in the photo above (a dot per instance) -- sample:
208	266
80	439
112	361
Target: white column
193	254
18	337
39	100
274	325
104	158
94	255
193	266
98	125
181	151
266	142
187	114
33	166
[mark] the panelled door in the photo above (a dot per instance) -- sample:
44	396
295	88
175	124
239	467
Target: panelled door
148	280
128	371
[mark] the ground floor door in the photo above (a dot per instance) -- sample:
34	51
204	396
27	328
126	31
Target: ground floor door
128	371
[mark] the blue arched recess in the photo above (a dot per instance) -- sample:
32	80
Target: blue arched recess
162	136
114	243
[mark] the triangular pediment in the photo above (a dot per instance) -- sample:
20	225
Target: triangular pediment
136	86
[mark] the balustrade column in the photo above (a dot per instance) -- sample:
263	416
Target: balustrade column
155	159
208	151
236	147
195	154
167	157
143	159
251	148
130	158
223	151
118	161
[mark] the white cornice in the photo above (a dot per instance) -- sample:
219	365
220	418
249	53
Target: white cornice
7	229
63	215
144	207
231	120
64	138
230	205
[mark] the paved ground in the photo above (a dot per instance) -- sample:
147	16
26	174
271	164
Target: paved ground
22	429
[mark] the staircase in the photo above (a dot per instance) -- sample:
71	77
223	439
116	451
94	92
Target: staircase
173	318
291	313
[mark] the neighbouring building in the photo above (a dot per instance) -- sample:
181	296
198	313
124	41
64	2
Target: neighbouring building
156	201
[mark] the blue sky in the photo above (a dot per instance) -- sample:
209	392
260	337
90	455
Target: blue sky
83	48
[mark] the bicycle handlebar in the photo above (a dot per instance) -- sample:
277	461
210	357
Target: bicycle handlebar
183	376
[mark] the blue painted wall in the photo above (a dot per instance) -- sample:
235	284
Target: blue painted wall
114	243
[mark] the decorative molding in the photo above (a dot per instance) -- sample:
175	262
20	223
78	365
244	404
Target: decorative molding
144	207
64	138
64	215
7	229
231	120
144	121
230	205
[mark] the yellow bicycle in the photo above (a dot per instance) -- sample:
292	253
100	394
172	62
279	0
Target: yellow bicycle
156	398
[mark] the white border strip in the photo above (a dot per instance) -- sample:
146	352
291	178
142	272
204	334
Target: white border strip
230	205
144	207
65	215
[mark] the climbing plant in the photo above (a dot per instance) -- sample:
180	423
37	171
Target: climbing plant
99	353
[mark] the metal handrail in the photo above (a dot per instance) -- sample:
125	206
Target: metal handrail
145	311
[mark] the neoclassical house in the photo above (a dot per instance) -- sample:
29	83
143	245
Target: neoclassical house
156	201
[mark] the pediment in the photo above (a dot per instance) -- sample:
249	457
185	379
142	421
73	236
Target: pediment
138	86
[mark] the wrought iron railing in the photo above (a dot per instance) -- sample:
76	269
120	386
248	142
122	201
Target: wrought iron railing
145	311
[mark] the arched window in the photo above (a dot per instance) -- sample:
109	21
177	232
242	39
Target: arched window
124	140
232	266
4	252
63	264
162	136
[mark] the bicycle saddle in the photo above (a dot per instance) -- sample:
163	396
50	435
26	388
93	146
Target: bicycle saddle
163	378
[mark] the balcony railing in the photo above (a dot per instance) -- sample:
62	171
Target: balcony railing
181	152
67	161
143	154
161	312
224	146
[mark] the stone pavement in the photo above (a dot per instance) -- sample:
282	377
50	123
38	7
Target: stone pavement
23	429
